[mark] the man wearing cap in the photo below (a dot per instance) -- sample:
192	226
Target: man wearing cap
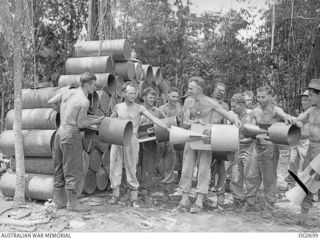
198	110
298	152
312	116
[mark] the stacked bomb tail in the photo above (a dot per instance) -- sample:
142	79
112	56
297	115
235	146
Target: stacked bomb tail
279	133
307	182
180	135
223	138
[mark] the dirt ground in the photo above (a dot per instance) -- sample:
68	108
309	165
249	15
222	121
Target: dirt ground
158	217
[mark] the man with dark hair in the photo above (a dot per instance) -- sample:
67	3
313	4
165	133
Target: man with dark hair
198	109
266	155
148	156
67	147
169	156
312	117
219	177
128	155
243	156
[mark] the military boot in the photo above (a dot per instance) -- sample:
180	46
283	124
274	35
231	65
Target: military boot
146	196
73	203
60	198
134	199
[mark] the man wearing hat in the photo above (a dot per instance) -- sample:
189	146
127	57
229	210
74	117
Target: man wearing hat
298	152
312	116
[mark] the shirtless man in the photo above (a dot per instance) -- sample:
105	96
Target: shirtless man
148	151
263	167
169	156
67	148
298	152
218	169
312	117
198	110
243	157
248	95
128	110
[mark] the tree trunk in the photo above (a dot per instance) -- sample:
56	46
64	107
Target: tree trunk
313	64
19	197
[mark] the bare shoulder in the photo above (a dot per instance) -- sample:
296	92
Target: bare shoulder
163	107
255	111
212	101
140	108
311	110
225	105
277	108
188	101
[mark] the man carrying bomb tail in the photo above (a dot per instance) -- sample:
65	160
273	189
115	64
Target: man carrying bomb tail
128	110
263	167
198	110
67	147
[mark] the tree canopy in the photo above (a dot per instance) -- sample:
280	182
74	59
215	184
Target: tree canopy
168	34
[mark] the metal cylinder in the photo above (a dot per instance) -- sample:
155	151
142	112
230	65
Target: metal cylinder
90	182
120	82
138	71
105	81
105	161
95	160
104	101
119	49
115	131
37	165
125	69
37	186
142	85
147	74
281	133
101	146
94	103
157	75
39	118
89	140
102	64
224	138
163	134
38	98
36	143
102	179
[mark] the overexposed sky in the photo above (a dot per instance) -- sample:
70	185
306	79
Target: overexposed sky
254	7
200	6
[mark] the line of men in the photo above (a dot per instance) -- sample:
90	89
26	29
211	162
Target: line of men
255	162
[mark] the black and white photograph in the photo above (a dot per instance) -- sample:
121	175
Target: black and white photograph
159	116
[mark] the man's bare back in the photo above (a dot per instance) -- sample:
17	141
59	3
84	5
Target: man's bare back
71	104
